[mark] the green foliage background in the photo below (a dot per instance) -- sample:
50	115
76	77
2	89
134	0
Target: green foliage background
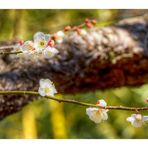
47	119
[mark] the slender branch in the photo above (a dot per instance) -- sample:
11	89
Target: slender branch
7	47
6	53
136	109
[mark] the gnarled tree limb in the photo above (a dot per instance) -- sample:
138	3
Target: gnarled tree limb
106	57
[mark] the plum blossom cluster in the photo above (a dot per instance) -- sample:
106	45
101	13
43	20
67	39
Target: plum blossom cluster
98	114
42	44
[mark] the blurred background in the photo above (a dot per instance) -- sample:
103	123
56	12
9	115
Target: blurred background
49	119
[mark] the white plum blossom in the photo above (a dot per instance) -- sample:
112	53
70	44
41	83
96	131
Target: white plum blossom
97	115
46	88
59	36
41	41
43	44
50	52
27	47
137	120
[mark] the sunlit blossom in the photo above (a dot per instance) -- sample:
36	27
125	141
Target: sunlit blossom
41	41
137	119
46	88
50	52
96	114
27	47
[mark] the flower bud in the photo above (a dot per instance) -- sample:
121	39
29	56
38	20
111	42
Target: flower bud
89	25
87	20
51	43
21	42
67	28
93	22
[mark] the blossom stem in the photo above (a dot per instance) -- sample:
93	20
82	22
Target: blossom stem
7	47
137	109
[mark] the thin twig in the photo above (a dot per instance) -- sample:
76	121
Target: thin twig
7	53
7	47
136	109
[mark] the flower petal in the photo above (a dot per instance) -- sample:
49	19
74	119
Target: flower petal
41	91
96	115
50	52
39	36
137	124
46	88
145	118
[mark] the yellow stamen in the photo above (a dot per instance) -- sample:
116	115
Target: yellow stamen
41	43
46	89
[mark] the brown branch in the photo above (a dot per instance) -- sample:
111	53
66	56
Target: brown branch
7	47
8	53
106	57
135	109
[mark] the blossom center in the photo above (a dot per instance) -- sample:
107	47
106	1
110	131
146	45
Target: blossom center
41	43
138	117
46	89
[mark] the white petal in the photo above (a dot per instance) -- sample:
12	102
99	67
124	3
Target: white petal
54	50
104	114
27	47
52	91
39	36
44	82
133	115
145	118
37	48
137	124
96	115
130	119
41	91
90	109
47	37
96	119
50	52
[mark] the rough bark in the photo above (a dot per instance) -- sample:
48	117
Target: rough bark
106	57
